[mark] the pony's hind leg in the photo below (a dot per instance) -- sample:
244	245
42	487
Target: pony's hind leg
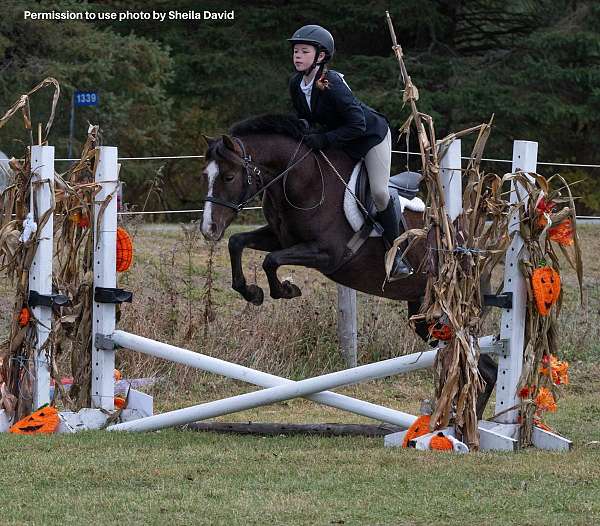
261	239
304	255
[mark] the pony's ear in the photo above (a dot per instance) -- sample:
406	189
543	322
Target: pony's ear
209	140
229	144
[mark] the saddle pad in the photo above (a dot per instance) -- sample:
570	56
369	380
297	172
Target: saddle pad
353	214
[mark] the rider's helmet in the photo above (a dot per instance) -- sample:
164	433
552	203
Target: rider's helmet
315	36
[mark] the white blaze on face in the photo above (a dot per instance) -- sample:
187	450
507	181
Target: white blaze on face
212	171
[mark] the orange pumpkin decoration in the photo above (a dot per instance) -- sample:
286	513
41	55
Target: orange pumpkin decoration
120	402
562	233
545	282
45	421
440	442
124	250
24	317
441	331
418	428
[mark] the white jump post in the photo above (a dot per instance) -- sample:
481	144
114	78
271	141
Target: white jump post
451	176
512	329
40	275
105	262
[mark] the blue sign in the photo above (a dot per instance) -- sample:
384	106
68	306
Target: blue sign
86	98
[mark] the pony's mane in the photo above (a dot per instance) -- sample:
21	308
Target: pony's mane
278	124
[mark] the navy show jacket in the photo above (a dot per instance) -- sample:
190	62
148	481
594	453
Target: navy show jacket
349	124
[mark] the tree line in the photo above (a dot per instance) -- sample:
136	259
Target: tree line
534	64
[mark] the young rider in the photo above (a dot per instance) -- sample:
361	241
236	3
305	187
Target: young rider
322	97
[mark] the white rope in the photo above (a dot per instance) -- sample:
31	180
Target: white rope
488	159
178	211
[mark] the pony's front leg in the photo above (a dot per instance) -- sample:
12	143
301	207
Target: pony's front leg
304	255
261	239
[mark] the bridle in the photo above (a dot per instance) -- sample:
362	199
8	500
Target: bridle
253	172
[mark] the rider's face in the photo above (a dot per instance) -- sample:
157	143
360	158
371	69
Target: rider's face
304	56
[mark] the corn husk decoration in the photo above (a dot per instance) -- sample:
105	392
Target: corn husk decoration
463	253
550	204
71	331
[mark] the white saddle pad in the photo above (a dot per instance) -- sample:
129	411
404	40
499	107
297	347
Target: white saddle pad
354	215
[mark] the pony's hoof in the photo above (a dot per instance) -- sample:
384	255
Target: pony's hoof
290	290
254	295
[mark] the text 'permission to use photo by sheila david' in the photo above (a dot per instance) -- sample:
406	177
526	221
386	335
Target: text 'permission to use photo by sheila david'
122	16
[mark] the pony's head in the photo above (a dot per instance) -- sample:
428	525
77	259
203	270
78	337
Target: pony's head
232	175
228	185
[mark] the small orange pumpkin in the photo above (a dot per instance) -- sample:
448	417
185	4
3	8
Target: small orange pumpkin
545	282
120	402
440	442
24	317
45	420
441	331
124	250
418	428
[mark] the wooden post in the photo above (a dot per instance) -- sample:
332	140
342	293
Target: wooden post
346	326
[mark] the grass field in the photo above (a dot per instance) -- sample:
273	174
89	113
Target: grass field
184	477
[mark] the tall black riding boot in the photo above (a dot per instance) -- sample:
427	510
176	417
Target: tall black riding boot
390	221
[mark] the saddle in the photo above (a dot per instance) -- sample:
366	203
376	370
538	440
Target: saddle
404	184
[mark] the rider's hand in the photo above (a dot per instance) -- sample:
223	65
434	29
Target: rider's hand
316	141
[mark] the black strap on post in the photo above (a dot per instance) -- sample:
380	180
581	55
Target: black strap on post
46	300
503	301
112	295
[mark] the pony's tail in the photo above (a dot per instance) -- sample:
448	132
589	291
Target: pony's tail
322	82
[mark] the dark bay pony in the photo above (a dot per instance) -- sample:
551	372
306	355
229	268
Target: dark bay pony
306	225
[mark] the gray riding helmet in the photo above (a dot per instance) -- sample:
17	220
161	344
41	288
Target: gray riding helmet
316	36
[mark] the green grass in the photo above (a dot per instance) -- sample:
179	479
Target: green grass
180	477
184	477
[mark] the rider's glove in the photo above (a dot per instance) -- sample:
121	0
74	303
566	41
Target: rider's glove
316	141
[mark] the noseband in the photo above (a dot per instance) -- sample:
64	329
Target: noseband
252	170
